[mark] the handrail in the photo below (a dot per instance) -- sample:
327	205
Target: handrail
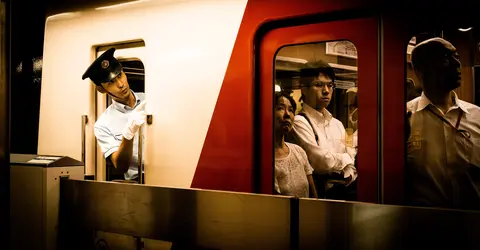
84	124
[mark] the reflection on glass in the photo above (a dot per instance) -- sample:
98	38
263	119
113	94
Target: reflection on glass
321	80
443	126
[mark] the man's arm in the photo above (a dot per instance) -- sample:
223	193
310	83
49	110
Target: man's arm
112	151
121	155
322	160
122	158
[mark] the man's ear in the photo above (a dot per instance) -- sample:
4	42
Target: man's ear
100	89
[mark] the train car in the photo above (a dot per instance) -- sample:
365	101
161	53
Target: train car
209	70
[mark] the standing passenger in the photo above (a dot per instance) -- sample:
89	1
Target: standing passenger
320	134
116	129
293	173
443	147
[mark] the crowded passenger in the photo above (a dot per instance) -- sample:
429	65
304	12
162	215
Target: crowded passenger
321	135
293	173
443	147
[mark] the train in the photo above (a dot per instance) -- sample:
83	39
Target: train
209	70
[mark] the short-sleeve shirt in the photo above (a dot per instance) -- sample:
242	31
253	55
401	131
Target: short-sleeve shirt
291	173
443	166
108	131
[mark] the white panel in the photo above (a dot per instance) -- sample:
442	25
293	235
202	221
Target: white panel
188	47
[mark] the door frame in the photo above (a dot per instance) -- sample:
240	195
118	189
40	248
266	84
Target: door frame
127	50
274	39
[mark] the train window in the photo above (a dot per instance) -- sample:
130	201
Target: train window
316	115
443	120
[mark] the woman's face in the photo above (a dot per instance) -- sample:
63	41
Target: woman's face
284	115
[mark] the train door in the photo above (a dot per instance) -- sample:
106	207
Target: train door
350	49
131	56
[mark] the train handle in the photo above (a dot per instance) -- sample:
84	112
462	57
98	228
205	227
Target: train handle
84	124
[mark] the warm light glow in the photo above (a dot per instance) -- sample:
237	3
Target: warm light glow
278	88
341	66
290	59
61	15
120	5
465	30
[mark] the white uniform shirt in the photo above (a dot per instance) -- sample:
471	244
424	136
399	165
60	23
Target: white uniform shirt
108	131
291	173
330	154
443	166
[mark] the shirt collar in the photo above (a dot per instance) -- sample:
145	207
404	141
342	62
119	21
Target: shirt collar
125	108
457	103
322	115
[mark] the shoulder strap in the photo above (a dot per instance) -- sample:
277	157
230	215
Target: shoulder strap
309	122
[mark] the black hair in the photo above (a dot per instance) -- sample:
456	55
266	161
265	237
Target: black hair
278	95
314	69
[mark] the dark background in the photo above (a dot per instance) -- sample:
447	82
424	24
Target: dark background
27	34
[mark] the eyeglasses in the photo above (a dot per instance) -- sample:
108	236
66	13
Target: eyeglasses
330	85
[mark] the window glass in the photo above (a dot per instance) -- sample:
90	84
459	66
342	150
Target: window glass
316	115
443	120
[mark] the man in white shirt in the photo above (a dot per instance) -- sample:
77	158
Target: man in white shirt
443	147
116	128
317	131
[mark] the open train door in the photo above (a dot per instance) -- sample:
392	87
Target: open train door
350	47
131	55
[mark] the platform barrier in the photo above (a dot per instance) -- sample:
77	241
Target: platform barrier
206	219
191	219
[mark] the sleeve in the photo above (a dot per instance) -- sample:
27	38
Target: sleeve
321	160
106	140
306	165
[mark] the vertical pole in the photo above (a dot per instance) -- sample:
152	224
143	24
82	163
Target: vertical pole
84	123
140	156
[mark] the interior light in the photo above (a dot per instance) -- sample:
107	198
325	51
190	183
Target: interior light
120	5
464	30
277	88
290	59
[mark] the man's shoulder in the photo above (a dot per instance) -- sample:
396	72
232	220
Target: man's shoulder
471	108
300	119
105	118
413	104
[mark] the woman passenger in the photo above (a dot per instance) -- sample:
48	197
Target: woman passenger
293	173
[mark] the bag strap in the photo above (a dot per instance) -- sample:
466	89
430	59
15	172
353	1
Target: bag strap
310	122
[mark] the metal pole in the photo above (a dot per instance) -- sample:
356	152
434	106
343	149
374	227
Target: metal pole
84	124
140	156
5	11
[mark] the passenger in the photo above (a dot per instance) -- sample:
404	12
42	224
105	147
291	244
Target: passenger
353	117
443	147
321	135
293	173
116	129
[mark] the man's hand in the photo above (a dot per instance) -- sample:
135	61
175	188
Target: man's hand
350	173
135	120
